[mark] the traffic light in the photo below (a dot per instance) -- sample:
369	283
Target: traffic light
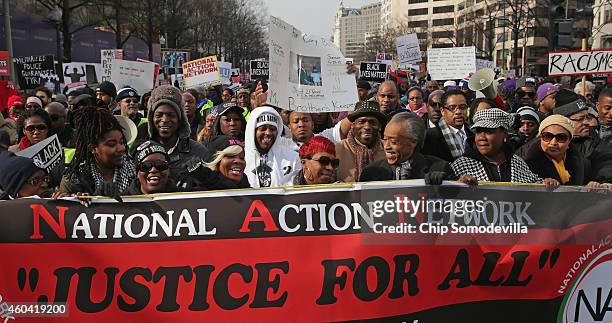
563	34
557	9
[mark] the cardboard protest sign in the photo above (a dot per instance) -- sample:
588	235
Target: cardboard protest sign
451	63
106	61
225	70
79	74
307	73
235	78
34	71
174	58
4	63
580	62
177	80
408	50
155	71
138	75
259	70
385	252
202	72
483	63
375	72
46	154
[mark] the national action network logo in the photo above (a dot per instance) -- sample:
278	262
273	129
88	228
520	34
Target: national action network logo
589	300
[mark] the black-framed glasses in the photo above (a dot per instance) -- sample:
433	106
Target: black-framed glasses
38	180
521	93
128	101
436	105
147	166
561	137
454	107
40	127
324	161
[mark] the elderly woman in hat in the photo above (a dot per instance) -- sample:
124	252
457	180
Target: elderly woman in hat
492	159
555	156
21	177
319	162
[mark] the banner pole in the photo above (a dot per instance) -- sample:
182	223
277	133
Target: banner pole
584	47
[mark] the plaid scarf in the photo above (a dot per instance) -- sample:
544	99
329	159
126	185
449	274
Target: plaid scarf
364	156
452	141
122	176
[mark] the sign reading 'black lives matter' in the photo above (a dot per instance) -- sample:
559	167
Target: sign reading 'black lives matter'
375	72
260	70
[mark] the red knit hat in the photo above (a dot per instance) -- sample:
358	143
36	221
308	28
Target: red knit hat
317	144
14	100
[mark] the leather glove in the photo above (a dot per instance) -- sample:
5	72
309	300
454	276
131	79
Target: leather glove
434	178
109	189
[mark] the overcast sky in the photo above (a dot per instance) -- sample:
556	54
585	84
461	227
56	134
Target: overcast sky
311	16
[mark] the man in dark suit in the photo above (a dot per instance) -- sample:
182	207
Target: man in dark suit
450	136
404	135
434	109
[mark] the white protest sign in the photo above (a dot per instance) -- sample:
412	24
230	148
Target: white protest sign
225	70
451	63
307	73
46	154
139	75
201	72
408	49
580	62
155	71
177	80
483	63
106	62
78	74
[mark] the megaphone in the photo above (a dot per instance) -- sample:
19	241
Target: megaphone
483	81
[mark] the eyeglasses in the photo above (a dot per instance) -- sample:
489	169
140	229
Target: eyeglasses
454	107
34	127
54	117
435	105
521	93
38	180
147	166
561	137
128	101
324	161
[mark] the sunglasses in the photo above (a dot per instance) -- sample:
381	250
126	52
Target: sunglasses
128	101
146	167
324	161
435	105
561	137
521	94
453	107
38	180
34	127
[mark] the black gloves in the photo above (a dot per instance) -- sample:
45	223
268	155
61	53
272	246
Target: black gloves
434	178
109	189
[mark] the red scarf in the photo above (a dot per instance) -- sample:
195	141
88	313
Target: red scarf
24	143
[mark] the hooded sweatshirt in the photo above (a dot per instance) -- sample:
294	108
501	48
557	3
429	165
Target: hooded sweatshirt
281	162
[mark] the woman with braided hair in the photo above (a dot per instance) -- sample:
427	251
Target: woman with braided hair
101	165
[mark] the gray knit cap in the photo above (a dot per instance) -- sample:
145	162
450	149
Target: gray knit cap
168	94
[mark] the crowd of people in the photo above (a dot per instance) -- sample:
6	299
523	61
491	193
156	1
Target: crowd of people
119	142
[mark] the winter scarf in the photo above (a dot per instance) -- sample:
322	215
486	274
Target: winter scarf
364	156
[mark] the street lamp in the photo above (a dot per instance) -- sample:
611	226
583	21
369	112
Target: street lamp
55	16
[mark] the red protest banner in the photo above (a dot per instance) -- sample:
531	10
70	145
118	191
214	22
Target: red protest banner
316	256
